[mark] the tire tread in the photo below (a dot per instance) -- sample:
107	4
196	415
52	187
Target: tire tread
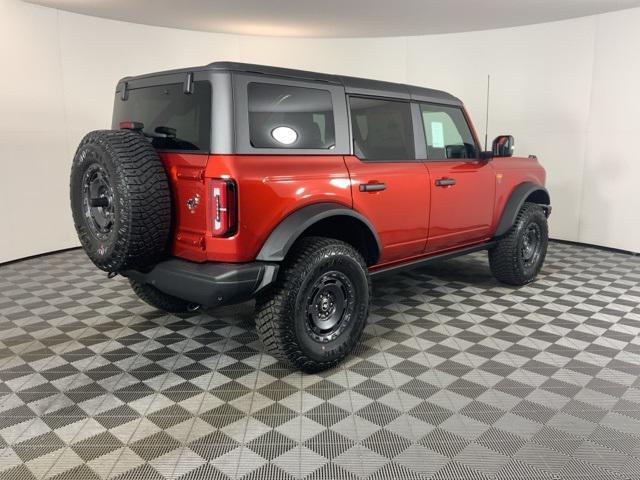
274	307
144	187
504	257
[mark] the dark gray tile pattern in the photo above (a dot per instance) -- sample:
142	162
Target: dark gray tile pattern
457	376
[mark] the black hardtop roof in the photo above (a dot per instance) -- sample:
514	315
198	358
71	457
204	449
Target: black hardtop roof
352	85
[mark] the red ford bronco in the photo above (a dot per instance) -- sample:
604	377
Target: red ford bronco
228	182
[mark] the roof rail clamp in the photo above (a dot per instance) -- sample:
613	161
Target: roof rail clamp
124	95
188	84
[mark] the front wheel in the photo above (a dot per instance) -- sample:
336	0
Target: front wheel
314	314
519	255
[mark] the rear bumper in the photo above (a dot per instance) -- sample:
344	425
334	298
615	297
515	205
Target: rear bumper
209	284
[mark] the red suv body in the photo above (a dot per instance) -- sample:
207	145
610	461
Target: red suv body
259	158
413	216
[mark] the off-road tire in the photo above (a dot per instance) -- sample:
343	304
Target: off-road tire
282	318
139	200
160	300
506	259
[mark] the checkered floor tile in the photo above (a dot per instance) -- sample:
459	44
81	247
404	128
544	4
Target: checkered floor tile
457	376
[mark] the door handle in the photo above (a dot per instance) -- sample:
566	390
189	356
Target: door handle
445	182
372	187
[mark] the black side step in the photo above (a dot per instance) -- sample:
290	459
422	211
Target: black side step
421	262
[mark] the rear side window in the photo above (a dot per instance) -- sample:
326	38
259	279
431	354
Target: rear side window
382	129
172	119
283	116
447	133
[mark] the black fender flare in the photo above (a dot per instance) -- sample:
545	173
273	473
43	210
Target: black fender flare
282	237
517	198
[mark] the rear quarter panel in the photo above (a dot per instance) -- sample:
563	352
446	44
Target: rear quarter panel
270	187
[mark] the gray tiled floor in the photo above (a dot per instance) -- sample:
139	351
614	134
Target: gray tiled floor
457	376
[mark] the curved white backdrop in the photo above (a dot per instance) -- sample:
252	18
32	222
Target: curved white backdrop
568	91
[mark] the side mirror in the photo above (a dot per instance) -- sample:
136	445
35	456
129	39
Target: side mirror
503	146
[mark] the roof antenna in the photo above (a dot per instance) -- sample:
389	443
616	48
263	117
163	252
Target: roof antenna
486	120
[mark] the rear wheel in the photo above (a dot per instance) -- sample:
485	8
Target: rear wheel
314	314
519	255
160	300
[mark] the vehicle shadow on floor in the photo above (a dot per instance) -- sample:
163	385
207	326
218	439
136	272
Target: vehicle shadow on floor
472	270
469	271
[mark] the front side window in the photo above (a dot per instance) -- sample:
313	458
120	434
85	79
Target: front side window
447	133
283	116
172	119
382	129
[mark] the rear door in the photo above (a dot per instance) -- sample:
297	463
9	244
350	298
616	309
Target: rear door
389	186
462	185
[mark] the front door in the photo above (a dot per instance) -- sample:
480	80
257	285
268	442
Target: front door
462	185
389	186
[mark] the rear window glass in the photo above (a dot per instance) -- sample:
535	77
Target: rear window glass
282	116
172	119
382	129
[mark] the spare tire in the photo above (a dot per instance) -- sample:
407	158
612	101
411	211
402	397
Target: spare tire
120	200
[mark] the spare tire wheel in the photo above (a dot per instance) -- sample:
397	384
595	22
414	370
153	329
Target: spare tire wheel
120	200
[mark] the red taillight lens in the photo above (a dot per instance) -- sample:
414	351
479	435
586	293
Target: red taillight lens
223	211
130	125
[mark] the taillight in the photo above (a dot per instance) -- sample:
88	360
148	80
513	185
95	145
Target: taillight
131	125
223	207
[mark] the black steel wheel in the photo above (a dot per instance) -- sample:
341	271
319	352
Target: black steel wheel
519	255
97	201
531	244
330	306
314	314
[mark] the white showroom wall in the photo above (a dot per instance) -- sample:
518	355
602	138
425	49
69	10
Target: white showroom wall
610	207
564	89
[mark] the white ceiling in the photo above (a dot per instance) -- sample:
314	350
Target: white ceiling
338	18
